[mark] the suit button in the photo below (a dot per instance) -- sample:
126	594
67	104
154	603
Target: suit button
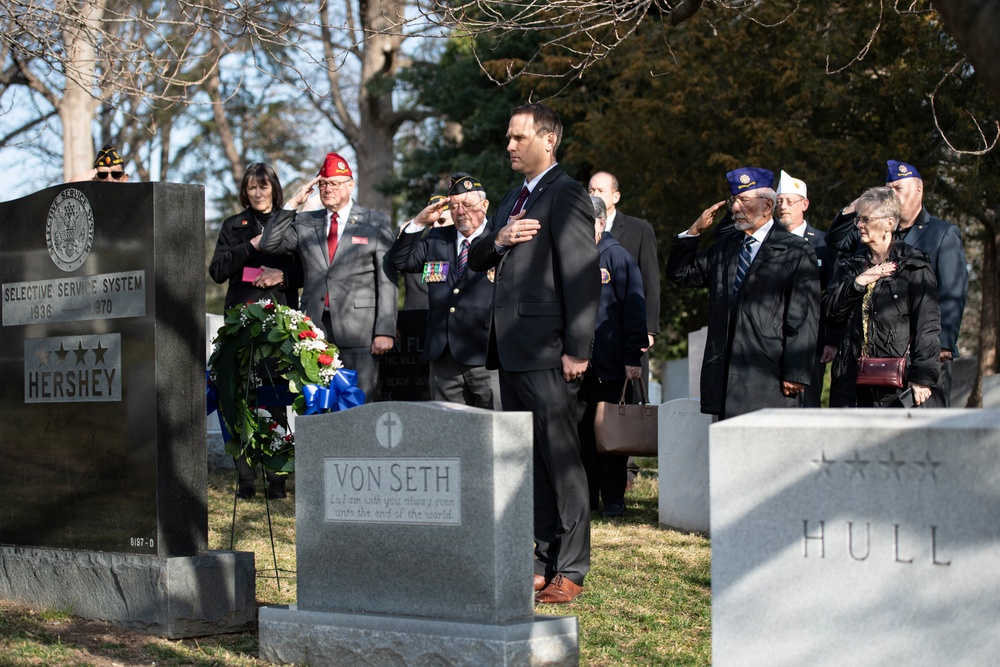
455	291
452	309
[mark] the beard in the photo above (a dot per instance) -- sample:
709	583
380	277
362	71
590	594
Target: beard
742	224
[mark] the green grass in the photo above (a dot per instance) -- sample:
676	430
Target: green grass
647	599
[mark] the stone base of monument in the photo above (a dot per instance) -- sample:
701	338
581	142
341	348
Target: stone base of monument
329	639
174	596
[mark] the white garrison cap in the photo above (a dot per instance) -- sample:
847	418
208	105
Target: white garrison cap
791	186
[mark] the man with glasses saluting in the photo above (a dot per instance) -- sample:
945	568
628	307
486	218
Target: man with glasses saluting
349	286
763	311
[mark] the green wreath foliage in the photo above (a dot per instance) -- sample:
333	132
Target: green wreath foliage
253	333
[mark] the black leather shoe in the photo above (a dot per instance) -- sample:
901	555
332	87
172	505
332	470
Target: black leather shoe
613	510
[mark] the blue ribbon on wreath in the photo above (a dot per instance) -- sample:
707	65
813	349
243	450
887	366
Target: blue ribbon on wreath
342	394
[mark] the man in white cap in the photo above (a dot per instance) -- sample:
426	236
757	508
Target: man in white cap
790	210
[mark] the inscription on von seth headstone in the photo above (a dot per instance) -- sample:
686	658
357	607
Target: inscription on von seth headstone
102	376
862	537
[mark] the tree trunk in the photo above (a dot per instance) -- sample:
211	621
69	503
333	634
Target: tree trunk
989	319
213	86
78	104
975	25
378	122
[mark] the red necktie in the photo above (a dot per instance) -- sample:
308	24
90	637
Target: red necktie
331	247
520	201
331	238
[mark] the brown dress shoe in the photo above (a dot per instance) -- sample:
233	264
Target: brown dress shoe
558	591
540	582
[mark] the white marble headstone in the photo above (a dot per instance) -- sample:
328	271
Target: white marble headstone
856	537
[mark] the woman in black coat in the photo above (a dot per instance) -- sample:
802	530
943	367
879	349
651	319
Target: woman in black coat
254	275
886	294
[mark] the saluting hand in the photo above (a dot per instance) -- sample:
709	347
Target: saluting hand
706	219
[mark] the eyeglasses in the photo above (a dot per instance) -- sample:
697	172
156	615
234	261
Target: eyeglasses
334	185
115	175
866	220
465	204
786	201
743	201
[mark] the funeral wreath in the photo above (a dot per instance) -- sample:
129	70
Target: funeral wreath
260	338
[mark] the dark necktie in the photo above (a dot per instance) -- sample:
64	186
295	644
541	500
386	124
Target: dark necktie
743	264
331	238
331	247
463	260
520	201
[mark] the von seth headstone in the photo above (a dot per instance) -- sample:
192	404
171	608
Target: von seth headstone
102	384
856	537
413	543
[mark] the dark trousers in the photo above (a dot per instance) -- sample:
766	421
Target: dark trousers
607	475
562	510
812	396
456	382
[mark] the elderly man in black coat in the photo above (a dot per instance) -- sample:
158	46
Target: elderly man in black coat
764	295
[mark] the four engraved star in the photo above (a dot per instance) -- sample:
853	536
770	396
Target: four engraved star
80	352
928	467
857	465
824	464
893	467
99	353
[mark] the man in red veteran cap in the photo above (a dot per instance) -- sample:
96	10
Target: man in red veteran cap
763	301
349	285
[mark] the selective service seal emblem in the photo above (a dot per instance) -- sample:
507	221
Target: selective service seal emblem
69	229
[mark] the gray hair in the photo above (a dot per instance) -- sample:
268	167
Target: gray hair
600	210
881	202
769	194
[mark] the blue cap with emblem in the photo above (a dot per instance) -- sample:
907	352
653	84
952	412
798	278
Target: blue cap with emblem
746	179
900	170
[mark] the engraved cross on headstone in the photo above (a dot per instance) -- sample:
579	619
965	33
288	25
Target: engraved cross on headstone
387	436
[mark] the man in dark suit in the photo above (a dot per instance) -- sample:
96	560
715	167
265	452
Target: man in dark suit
349	286
459	298
763	309
941	240
792	204
545	296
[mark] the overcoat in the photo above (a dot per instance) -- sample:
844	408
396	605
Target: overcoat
766	333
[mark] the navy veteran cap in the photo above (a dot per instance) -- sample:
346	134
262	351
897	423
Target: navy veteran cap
900	170
746	179
108	157
466	184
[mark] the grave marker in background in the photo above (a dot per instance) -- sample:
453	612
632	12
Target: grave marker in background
856	537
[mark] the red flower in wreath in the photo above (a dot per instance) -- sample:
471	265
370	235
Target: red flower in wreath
307	334
325	359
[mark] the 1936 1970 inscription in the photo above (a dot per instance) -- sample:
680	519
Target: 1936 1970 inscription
394	490
96	297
